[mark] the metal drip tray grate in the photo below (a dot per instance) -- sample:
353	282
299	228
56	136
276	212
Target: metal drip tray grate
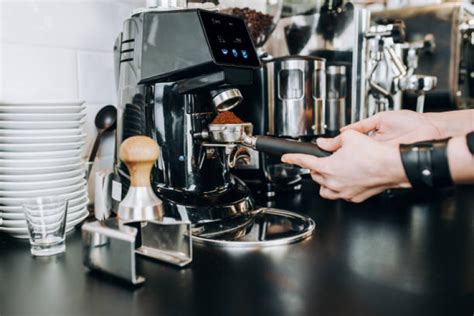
262	228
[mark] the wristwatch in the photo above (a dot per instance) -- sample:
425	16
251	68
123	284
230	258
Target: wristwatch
426	163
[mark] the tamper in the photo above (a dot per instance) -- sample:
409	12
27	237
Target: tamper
140	204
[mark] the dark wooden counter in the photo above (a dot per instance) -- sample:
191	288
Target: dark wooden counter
402	255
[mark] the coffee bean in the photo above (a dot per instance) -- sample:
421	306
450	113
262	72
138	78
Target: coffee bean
260	25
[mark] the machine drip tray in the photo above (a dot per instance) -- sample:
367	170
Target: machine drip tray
260	228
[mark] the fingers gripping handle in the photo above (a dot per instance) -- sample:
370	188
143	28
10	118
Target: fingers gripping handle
279	146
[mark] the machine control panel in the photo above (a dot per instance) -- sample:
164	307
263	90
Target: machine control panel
229	40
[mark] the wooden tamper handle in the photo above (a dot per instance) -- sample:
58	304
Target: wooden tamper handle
139	153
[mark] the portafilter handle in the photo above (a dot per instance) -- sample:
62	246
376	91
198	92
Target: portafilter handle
278	146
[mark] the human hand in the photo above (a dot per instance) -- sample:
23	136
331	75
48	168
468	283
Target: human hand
398	127
359	167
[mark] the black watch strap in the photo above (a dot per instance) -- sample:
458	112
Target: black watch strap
426	163
470	142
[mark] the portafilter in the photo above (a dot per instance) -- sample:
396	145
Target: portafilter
242	134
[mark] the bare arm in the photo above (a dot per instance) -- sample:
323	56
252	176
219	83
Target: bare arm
406	127
461	161
361	167
452	123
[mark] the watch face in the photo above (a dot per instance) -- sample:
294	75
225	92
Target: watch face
229	40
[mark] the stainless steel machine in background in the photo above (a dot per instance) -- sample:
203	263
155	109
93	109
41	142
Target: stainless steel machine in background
287	101
450	26
335	32
430	68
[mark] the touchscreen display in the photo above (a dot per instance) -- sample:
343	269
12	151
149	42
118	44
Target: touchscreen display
229	40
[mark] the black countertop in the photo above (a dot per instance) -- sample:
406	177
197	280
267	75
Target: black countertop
402	255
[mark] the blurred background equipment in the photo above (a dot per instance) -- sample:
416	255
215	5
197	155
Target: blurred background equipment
451	60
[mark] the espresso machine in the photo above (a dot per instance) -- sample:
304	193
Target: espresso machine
177	70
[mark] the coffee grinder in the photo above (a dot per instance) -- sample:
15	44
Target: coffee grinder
177	70
178	84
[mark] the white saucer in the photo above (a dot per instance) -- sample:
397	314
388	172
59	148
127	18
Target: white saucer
24	230
15	109
54	154
43	192
40	147
42	177
19	223
33	117
28	125
12	212
39	132
41	170
41	139
68	194
48	162
26	186
55	102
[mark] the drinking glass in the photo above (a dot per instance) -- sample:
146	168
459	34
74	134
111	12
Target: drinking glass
46	220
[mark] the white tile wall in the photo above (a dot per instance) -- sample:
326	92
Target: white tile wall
95	75
36	72
63	49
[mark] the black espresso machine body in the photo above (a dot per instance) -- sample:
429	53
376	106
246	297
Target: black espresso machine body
176	71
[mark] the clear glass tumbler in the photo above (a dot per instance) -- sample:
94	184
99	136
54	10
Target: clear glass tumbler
46	220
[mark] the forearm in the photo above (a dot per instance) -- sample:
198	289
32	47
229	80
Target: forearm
452	123
461	161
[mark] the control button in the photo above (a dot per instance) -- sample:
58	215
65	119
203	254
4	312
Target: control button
244	54
235	53
225	51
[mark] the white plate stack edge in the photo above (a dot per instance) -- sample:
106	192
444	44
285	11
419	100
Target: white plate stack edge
41	155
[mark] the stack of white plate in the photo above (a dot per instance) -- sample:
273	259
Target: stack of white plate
41	155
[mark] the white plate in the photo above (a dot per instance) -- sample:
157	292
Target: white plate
54	154
41	125
42	192
15	211
32	117
72	214
38	109
41	170
39	162
65	102
23	231
5	202
41	139
39	132
25	236
28	186
42	177
40	147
